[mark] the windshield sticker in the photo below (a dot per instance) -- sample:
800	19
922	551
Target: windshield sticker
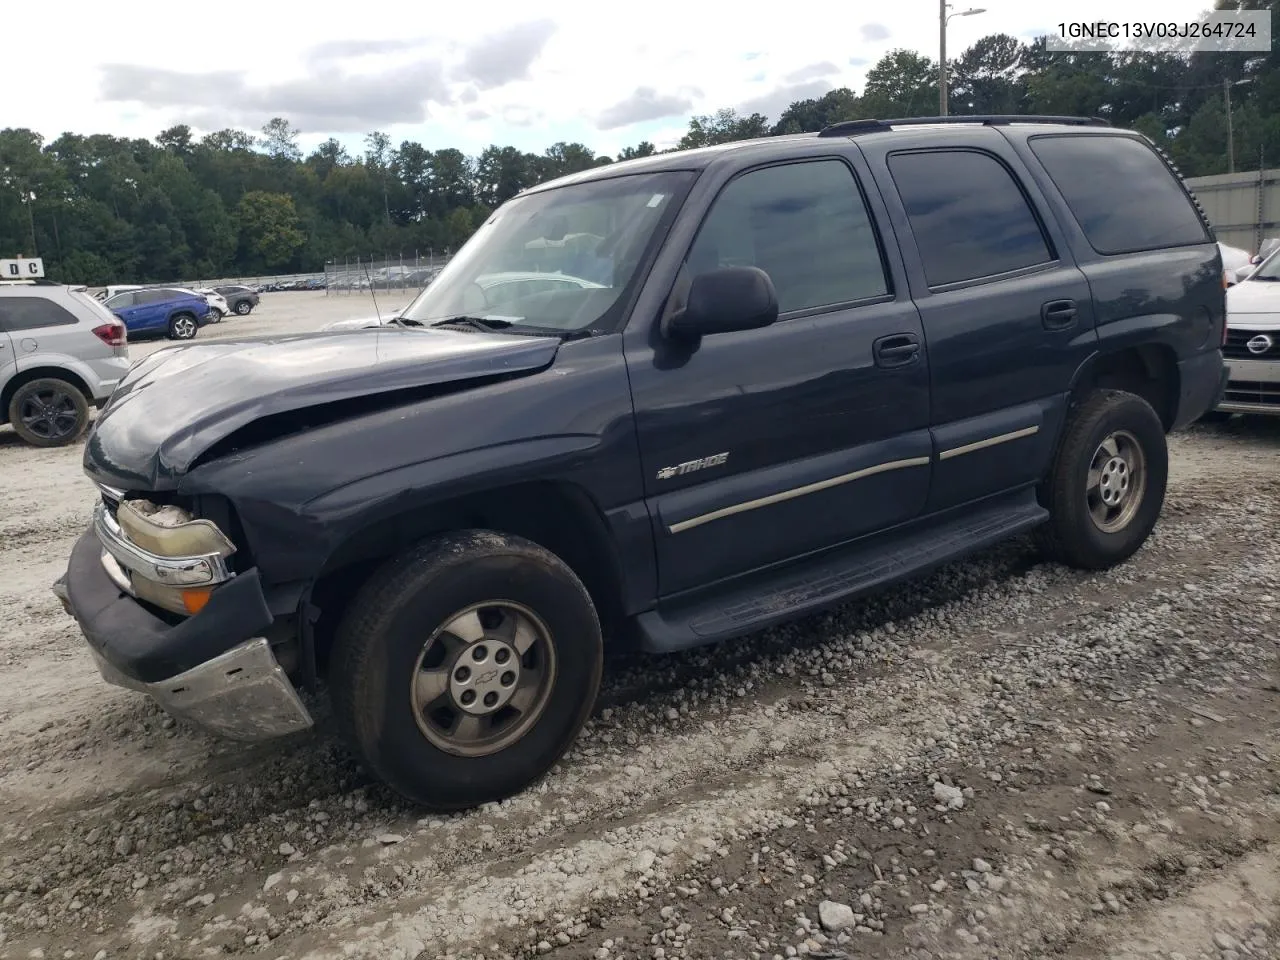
656	199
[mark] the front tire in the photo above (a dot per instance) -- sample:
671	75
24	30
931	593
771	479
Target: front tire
1108	482
243	308
49	412
183	327
465	668
215	315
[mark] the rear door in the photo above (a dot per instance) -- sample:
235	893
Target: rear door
153	309
1008	316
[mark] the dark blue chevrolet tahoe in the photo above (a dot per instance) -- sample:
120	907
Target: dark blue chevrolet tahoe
800	368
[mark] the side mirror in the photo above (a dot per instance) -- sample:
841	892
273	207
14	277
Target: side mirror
1243	272
725	300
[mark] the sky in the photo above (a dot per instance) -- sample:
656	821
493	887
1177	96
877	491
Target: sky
467	75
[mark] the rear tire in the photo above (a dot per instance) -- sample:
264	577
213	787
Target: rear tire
49	412
183	326
1108	482
243	308
472	614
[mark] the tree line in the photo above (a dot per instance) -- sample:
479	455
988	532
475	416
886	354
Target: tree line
102	209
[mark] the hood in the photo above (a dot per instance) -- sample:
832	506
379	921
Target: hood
179	401
355	323
1253	297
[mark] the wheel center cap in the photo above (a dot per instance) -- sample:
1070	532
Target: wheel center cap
484	676
1114	481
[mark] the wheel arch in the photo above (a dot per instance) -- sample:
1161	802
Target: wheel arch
1149	370
23	377
560	516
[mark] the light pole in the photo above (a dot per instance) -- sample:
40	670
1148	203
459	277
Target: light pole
1231	139
943	18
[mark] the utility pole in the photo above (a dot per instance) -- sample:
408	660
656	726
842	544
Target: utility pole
942	58
1231	140
943	18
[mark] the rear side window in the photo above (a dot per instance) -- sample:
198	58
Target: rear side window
1122	194
968	214
32	313
805	225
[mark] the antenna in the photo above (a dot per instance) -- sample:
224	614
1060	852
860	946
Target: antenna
372	293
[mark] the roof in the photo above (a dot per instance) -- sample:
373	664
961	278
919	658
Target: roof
701	157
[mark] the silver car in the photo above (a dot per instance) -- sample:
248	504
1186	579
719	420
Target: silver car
61	352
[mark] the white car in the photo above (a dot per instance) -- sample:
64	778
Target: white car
217	304
1252	350
499	288
1236	263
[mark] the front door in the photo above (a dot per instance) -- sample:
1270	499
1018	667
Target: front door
760	446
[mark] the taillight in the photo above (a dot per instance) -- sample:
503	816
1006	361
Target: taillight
112	334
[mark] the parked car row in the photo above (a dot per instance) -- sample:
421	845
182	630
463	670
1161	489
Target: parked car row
294	283
385	278
221	300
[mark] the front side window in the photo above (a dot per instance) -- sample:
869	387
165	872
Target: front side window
968	214
120	301
805	225
593	235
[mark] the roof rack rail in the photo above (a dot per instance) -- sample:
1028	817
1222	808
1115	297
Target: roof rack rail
848	128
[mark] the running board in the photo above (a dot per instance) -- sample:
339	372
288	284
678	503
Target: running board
821	581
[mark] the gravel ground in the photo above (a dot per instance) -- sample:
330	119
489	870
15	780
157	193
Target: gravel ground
1008	759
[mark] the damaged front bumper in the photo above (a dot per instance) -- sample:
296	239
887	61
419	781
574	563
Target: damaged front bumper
215	668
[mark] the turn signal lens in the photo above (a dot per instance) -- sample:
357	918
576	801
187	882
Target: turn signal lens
194	600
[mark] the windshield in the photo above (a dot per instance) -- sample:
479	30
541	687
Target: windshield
559	260
1268	270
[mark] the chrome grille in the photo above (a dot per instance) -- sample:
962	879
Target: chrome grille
1252	391
1236	346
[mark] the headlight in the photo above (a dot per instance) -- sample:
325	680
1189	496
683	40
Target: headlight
190	555
170	531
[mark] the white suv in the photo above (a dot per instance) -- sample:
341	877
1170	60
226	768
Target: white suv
60	352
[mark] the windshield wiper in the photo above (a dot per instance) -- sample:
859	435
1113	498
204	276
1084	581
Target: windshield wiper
476	323
492	325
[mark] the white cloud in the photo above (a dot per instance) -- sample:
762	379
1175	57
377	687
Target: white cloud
431	76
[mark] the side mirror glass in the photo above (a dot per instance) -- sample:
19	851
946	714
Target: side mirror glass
725	300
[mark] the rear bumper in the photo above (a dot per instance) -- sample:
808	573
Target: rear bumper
1202	379
214	669
1253	386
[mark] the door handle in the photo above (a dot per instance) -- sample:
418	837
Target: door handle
897	350
1058	314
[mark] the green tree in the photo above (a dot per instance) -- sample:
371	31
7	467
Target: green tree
269	230
280	139
723	126
902	84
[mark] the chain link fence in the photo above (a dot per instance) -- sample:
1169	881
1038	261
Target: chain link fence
389	273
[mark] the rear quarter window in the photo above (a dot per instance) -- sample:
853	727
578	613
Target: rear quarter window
1125	198
32	313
